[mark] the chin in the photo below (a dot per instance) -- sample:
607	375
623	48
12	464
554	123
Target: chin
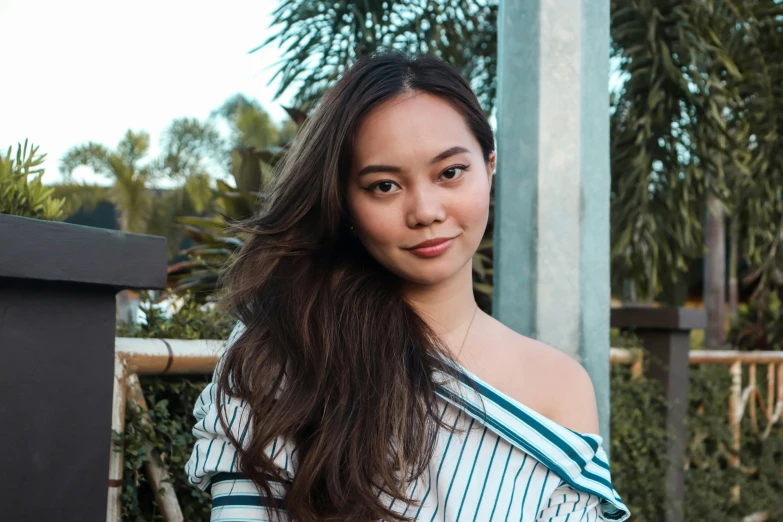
428	275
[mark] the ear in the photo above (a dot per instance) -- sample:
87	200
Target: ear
491	165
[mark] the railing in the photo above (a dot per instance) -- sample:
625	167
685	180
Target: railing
741	397
135	357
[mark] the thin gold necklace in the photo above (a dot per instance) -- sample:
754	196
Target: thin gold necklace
467	331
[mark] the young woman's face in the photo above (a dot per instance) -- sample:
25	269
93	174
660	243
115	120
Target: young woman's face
418	175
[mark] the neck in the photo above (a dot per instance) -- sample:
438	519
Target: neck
447	307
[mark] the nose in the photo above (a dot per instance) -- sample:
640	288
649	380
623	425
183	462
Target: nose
425	206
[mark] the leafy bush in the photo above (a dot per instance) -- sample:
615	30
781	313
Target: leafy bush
759	325
170	400
710	476
637	446
21	191
638	443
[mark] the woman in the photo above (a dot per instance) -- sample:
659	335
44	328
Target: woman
362	381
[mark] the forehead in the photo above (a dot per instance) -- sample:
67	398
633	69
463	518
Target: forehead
408	125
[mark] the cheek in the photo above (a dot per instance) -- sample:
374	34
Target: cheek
475	209
376	223
380	228
472	209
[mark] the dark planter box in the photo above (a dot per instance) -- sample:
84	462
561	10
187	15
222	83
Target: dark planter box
57	321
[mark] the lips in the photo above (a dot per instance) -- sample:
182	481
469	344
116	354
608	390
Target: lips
432	247
431	242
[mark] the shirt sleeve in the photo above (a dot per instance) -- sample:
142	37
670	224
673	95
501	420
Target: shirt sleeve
212	466
567	504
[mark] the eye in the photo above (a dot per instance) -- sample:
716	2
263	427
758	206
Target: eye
454	172
383	187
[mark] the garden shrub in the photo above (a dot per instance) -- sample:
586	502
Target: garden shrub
170	400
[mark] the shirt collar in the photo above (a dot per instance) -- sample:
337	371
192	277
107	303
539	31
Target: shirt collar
577	458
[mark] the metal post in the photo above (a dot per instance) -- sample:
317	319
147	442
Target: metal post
665	335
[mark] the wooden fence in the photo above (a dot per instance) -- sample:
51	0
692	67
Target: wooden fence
134	357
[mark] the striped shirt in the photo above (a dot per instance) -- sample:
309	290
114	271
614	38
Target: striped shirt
508	464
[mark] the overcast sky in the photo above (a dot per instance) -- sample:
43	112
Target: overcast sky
86	70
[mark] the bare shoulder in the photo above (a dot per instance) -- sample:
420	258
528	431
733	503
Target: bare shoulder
542	378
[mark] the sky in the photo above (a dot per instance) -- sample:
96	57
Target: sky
89	70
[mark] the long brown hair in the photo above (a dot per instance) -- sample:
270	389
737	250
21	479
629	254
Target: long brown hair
332	357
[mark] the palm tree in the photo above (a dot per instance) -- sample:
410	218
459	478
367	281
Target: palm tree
695	127
129	180
193	155
321	38
250	125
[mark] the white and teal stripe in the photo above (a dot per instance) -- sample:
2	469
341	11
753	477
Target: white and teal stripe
577	460
511	465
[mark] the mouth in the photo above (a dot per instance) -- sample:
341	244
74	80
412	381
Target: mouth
432	247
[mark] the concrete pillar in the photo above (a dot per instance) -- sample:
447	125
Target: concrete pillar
552	199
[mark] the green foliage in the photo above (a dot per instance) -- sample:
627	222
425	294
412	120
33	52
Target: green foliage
710	476
638	443
21	191
319	41
250	124
170	400
130	191
758	326
698	114
188	199
252	170
190	320
255	128
188	145
213	246
288	131
80	196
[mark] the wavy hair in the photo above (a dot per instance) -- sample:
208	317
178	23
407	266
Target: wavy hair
332	357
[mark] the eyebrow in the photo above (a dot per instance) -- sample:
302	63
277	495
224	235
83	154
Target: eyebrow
369	169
